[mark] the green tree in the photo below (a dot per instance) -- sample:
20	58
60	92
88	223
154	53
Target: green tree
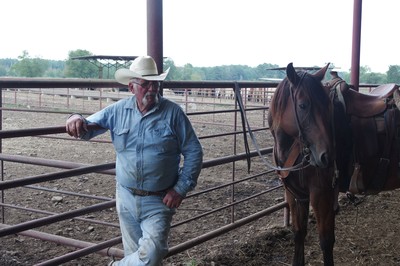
264	71
393	74
217	73
187	72
174	73
368	77
76	68
54	73
345	76
235	72
29	67
374	78
55	69
3	71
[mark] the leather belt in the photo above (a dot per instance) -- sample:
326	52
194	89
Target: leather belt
144	193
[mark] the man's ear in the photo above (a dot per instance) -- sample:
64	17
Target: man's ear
131	88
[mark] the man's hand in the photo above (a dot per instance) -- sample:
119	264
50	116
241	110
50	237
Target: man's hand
76	126
172	199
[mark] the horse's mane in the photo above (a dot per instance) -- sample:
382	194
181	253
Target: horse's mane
279	102
310	85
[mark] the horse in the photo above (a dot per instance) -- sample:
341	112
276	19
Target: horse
300	119
330	139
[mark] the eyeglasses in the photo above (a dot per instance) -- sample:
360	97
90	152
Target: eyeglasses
148	84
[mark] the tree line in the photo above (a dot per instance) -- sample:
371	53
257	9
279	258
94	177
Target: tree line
26	66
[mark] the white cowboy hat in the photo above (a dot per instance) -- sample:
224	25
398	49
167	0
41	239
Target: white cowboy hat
143	67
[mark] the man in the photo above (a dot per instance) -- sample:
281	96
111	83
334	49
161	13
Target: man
149	133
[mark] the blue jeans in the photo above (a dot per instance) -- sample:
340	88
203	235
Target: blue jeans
145	223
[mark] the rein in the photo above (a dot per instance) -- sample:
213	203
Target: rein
239	100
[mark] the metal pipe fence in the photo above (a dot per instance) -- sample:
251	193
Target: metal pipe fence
224	183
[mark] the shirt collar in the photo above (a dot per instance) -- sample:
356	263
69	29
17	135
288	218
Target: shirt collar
131	103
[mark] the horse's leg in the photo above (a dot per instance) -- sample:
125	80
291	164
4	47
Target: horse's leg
299	210
322	202
336	206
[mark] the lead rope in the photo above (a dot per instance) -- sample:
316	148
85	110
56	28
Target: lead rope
341	99
239	100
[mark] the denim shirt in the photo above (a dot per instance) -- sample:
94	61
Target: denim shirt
149	147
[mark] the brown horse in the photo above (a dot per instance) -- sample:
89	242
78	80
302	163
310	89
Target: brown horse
329	139
300	119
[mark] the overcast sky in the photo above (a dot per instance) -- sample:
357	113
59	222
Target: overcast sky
207	32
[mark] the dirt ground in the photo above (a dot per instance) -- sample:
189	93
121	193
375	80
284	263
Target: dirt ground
366	234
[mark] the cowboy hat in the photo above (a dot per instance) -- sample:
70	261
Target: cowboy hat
143	67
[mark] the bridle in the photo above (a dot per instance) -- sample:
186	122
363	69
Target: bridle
305	162
306	152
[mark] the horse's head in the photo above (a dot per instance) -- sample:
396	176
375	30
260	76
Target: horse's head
301	109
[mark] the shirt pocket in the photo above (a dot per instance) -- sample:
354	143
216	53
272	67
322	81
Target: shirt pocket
120	139
163	139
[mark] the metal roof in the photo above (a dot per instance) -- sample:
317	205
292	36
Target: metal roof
106	57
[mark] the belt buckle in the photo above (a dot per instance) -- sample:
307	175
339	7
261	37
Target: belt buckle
139	192
144	193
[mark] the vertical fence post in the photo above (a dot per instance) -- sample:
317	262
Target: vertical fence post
1	150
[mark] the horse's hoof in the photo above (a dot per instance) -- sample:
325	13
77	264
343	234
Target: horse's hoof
353	198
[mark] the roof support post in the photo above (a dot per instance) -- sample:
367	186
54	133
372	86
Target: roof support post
355	54
155	32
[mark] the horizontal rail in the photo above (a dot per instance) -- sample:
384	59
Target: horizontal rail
49	162
12	83
37	83
53	176
109	251
227	206
82	252
55	218
111	83
53	213
15	133
234	158
224	229
69	165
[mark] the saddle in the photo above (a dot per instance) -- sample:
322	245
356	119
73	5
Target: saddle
376	140
360	104
385	91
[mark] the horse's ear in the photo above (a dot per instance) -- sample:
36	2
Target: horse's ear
292	74
320	74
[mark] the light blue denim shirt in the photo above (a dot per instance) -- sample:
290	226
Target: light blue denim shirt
149	147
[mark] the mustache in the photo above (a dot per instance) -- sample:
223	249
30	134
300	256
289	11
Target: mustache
149	93
152	94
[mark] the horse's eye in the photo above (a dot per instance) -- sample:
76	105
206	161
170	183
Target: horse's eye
303	106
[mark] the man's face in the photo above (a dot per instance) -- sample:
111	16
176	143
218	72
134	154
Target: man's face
146	91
